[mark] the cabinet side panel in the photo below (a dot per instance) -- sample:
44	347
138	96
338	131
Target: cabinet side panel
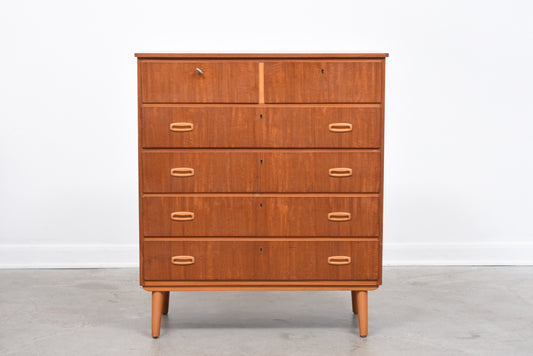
382	171
139	153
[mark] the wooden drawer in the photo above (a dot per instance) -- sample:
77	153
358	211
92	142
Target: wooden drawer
351	171
261	260
320	126
182	82
323	81
207	126
311	126
201	171
261	215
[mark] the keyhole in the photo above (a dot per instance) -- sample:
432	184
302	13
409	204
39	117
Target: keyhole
260	250
261	116
322	70
261	161
260	205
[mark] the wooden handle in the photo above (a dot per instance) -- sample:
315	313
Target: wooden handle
182	216
182	172
340	172
182	260
339	216
181	126
340	127
339	260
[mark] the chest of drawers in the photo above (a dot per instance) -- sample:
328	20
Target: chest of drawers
260	172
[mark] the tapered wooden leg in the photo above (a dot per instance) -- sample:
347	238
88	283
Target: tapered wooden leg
362	309
354	302
157	308
166	297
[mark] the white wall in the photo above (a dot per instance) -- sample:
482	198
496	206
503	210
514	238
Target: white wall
459	171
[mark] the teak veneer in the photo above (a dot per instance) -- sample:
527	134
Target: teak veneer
260	172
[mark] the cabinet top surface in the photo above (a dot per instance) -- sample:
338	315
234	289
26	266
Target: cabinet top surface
259	55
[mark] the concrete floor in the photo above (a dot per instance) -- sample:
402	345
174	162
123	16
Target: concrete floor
417	311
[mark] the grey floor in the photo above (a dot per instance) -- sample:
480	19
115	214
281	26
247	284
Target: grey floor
417	311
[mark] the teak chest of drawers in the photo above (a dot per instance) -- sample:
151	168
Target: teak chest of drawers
260	172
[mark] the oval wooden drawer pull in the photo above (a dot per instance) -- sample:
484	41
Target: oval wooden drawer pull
339	260
182	260
181	126
182	172
182	216
339	216
340	172
340	127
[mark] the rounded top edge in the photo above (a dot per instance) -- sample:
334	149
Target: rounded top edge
258	55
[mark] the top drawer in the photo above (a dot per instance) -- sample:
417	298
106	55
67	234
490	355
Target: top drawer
324	81
199	82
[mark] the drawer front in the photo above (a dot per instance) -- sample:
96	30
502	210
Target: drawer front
261	260
199	82
261	215
266	171
200	171
312	126
207	126
319	171
323	81
315	126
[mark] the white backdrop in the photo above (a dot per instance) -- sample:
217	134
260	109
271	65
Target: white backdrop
459	122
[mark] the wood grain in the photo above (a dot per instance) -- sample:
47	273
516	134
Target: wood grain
302	171
166	301
260	215
262	260
181	82
356	284
382	137
354	301
362	311
140	173
261	83
214	171
157	308
258	285
307	126
275	126
261	171
323	82
251	56
258	168
214	126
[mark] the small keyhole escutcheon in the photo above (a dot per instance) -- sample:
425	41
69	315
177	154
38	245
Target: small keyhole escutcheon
261	116
322	70
260	250
261	161
260	205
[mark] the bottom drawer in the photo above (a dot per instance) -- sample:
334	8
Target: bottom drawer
261	259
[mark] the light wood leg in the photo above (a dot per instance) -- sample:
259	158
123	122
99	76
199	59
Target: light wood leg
354	302
362	308
166	297
157	308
